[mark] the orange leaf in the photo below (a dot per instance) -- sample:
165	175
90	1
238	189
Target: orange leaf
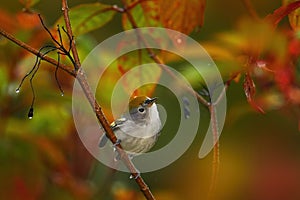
182	15
249	88
28	20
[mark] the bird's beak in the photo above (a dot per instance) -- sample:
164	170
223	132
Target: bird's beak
150	101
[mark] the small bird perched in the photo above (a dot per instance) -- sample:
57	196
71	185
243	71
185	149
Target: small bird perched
138	129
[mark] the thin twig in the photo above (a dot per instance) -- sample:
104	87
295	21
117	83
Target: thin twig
60	45
55	74
36	52
99	113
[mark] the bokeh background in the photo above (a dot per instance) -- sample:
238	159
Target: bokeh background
43	158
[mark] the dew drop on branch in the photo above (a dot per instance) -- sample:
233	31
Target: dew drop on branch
30	113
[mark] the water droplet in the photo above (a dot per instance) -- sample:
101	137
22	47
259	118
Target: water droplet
179	40
62	94
131	176
30	113
17	90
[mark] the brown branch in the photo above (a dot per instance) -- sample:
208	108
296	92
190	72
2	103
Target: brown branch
99	113
110	134
65	10
25	46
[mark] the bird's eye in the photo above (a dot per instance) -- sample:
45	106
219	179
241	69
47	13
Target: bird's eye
141	110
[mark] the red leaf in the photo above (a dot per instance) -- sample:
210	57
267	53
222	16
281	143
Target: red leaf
249	88
284	78
21	188
294	47
281	12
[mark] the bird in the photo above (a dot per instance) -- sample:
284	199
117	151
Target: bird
138	129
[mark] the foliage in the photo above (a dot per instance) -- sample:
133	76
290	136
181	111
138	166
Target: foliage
44	159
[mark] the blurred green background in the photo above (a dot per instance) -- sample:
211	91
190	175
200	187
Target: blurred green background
43	158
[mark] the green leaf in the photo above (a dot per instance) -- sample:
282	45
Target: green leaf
88	17
145	14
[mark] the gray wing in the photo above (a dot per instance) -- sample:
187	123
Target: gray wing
115	125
